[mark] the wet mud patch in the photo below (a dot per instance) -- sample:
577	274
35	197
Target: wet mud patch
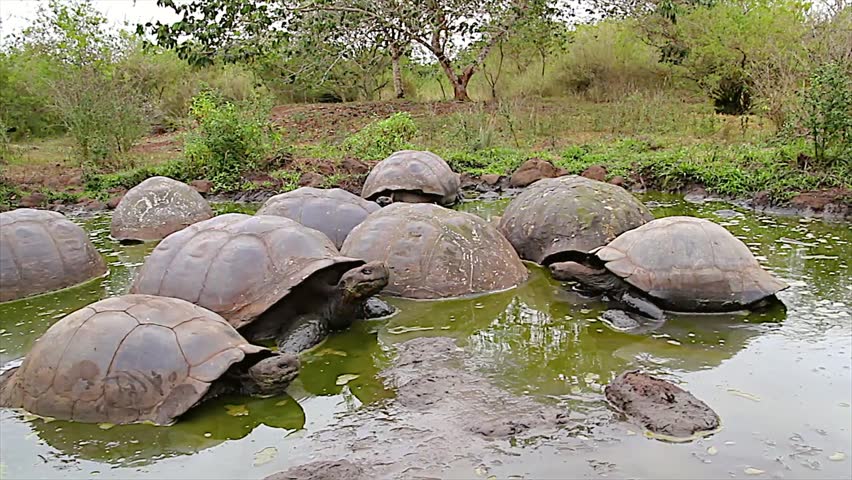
443	416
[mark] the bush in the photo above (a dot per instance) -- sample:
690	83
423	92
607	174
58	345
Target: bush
230	139
379	139
105	117
828	113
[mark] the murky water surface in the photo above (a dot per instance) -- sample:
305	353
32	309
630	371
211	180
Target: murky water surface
781	381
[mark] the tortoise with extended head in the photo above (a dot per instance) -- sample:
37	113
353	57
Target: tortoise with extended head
42	251
140	358
270	277
156	208
412	176
334	212
675	263
434	252
556	219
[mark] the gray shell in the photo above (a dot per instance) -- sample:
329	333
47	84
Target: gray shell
238	265
42	251
569	214
434	252
334	212
127	359
413	171
689	263
156	208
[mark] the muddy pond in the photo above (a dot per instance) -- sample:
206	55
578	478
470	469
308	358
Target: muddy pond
780	381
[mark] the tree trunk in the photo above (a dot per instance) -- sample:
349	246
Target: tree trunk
396	56
459	82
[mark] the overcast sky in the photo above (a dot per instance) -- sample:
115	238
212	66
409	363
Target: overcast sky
16	15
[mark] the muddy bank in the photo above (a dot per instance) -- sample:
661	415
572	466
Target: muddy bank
443	419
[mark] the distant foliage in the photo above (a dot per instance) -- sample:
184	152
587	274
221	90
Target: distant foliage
380	139
229	139
828	114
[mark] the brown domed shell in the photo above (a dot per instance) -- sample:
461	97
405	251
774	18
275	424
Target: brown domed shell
127	359
571	214
689	263
434	252
334	212
42	251
413	171
156	208
238	265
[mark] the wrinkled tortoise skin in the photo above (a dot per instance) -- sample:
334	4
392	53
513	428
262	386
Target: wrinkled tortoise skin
434	252
334	212
689	263
156	208
238	265
42	251
413	171
570	214
127	359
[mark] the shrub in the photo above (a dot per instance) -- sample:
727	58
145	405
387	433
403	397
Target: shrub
379	139
828	113
104	117
230	139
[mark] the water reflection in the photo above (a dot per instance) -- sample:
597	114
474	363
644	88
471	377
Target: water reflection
208	425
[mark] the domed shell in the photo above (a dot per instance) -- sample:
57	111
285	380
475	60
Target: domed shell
413	171
156	208
689	263
238	265
559	216
334	212
434	252
126	359
42	251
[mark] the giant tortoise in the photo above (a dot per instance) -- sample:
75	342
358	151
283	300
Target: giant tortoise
156	208
434	252
334	212
140	358
412	176
677	263
270	277
558	218
42	251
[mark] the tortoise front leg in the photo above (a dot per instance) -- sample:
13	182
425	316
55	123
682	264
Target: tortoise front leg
304	332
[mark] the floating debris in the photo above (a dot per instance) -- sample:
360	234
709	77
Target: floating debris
345	378
740	393
837	457
712	450
237	410
753	471
401	329
105	426
265	456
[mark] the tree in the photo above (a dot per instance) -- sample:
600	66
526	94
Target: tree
443	28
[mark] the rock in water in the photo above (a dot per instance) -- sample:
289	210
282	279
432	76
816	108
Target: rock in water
322	470
660	406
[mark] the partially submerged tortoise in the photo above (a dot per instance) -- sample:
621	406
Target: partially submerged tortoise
675	263
42	251
156	208
334	212
270	277
661	407
140	358
434	252
558	218
412	176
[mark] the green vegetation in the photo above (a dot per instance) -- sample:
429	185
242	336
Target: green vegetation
743	97
381	138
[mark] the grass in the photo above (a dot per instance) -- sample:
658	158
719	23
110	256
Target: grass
667	143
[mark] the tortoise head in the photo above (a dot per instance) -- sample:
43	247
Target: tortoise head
272	375
384	201
365	281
